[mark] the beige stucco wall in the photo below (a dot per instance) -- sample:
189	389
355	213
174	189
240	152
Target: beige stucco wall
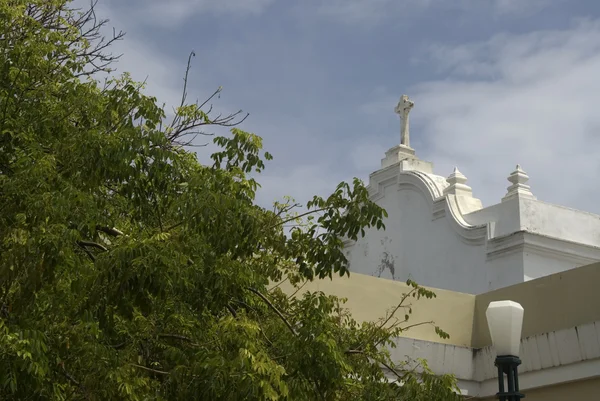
551	303
370	297
585	390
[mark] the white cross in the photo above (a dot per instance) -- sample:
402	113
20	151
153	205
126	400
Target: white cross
403	108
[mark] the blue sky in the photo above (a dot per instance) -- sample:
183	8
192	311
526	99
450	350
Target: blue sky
495	82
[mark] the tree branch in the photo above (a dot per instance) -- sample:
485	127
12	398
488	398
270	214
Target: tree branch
391	315
158	372
90	255
92	244
80	386
404	297
417	324
184	93
110	231
387	366
278	284
232	311
298	289
298	217
119	346
274	309
179	337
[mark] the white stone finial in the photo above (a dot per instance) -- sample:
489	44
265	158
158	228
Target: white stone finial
403	108
519	187
457	184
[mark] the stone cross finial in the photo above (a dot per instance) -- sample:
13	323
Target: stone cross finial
403	108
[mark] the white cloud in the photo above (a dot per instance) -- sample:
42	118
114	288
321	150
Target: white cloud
530	99
521	7
174	12
139	57
163	75
366	156
367	11
301	183
374	11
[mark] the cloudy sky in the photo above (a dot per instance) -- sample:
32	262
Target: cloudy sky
495	82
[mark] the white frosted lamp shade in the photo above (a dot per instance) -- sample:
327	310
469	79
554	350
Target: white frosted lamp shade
505	321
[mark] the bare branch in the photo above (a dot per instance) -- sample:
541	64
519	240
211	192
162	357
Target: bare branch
400	304
184	124
177	116
388	318
298	217
417	324
287	208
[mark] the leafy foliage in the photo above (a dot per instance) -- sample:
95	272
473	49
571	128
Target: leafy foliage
130	270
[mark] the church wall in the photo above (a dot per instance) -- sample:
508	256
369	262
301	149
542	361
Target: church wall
503	271
559	222
505	216
414	246
538	265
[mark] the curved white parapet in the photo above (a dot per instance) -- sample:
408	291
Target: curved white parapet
446	204
439	235
442	201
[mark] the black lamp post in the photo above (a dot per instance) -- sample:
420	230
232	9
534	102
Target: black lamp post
505	321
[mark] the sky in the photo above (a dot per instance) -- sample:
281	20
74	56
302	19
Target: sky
495	83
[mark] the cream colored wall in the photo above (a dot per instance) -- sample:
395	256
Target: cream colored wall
551	303
585	390
370	297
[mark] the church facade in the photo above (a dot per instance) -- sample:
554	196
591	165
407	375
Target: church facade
438	234
543	256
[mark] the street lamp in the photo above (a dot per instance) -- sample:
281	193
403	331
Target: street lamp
505	321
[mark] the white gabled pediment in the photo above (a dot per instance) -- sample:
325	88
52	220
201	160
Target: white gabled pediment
440	235
448	198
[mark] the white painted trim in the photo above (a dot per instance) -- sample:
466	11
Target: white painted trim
523	241
583	370
547	359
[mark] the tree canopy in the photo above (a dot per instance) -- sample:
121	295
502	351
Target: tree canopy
131	270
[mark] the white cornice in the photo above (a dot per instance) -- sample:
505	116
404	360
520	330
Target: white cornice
583	370
523	241
547	359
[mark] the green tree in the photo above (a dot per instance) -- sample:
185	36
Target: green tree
130	270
